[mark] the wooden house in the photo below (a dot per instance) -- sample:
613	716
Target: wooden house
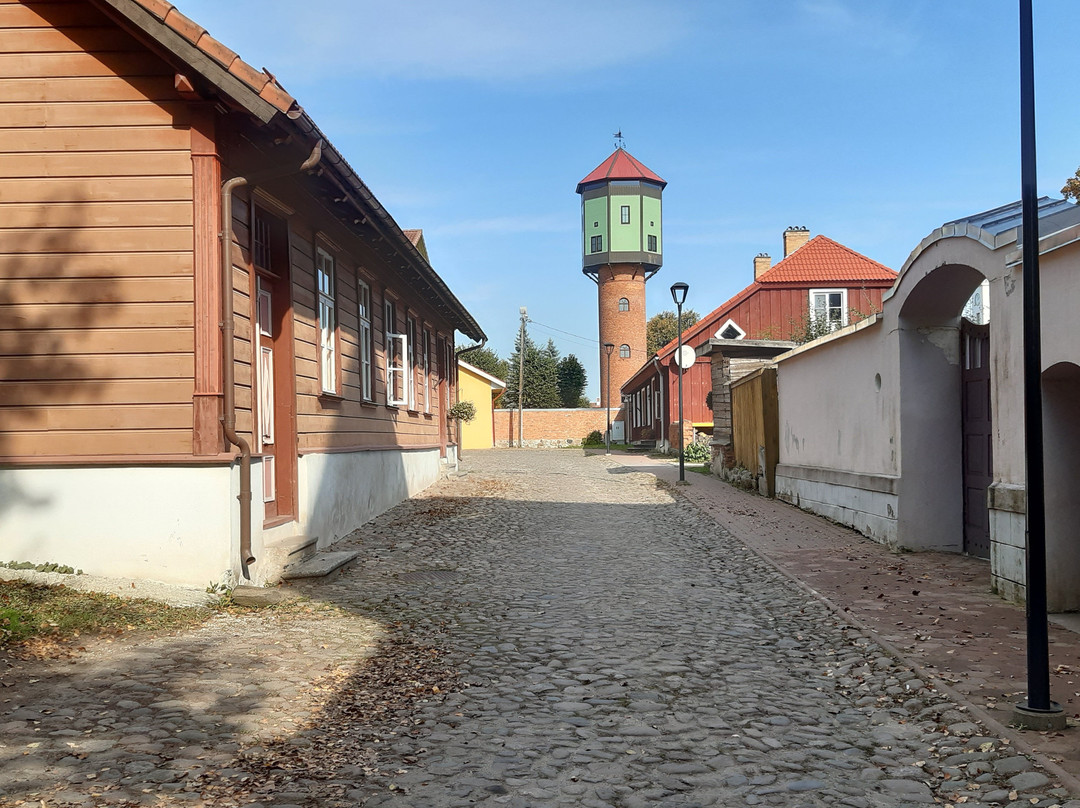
818	287
173	410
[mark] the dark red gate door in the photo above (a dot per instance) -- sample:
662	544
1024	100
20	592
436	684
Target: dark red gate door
975	376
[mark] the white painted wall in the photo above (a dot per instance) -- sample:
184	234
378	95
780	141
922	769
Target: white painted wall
168	524
341	491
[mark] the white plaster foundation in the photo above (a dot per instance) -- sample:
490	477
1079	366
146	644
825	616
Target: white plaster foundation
341	491
168	524
865	502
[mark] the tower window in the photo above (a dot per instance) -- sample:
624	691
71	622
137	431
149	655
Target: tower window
652	243
596	224
624	214
624	304
596	244
624	352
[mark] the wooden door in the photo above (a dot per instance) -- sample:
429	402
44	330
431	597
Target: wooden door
275	390
978	460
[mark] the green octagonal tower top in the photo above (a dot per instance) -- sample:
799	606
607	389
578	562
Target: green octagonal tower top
621	215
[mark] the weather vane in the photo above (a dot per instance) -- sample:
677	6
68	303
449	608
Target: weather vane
619	142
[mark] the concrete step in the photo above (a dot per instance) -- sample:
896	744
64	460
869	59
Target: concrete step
293	548
320	566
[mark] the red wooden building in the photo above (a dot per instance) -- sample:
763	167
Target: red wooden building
819	286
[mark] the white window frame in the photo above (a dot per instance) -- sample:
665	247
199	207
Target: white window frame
731	323
426	355
363	304
397	349
389	321
324	275
624	304
814	316
622	354
410	331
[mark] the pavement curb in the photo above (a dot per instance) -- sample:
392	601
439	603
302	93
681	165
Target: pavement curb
1016	740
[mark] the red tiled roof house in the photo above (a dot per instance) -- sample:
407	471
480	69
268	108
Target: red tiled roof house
134	439
819	286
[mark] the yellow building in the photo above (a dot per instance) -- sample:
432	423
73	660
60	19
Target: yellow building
483	390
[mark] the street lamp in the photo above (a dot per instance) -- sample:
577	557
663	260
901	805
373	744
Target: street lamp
678	294
608	348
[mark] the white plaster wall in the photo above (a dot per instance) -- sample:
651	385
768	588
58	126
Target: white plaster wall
1059	277
832	413
872	513
168	524
341	491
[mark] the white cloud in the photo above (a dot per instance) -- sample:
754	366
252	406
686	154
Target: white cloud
485	40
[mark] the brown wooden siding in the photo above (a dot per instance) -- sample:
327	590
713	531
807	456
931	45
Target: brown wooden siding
96	348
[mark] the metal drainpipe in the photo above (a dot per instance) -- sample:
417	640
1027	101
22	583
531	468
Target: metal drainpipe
457	389
228	329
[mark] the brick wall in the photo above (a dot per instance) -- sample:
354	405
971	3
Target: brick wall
548	428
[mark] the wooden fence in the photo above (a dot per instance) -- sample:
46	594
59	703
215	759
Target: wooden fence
756	426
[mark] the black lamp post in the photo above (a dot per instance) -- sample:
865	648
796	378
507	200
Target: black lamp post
608	348
1037	711
678	294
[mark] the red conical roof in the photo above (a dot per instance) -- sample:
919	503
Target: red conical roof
621	165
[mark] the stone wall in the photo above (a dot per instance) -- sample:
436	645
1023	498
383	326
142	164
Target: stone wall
549	428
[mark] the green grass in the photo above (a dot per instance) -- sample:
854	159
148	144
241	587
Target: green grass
33	613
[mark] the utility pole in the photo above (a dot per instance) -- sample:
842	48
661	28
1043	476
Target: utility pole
521	377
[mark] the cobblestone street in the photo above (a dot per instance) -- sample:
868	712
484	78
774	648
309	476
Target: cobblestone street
611	646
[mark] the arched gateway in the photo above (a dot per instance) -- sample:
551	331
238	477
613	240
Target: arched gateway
921	443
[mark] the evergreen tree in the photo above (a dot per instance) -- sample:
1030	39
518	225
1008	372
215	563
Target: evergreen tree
572	381
662	328
541	376
488	361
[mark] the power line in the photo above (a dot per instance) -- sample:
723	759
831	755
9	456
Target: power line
586	340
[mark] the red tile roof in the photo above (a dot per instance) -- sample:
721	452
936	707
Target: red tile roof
264	84
820	261
823	260
621	165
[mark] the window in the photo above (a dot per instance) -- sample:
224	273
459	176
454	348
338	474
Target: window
730	330
624	304
624	352
396	392
260	243
396	352
828	311
425	350
596	244
652	243
327	323
410	332
624	214
363	297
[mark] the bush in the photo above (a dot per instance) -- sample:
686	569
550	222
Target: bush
594	438
697	453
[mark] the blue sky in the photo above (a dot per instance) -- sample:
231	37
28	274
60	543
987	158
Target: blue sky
869	121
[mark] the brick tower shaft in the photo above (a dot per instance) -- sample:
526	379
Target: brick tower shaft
622	323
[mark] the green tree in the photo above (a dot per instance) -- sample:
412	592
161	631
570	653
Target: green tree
1071	189
662	328
541	376
572	381
488	361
